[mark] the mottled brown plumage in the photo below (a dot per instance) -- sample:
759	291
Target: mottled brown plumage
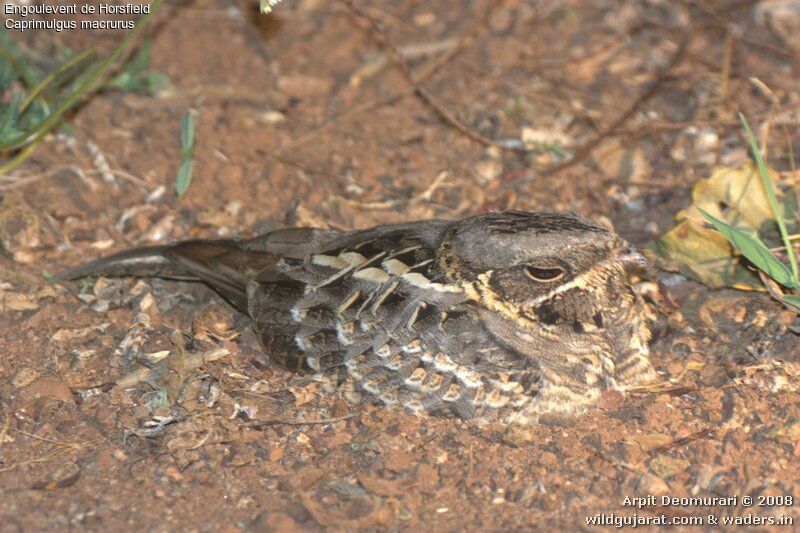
510	316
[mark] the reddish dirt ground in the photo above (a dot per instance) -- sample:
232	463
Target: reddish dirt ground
298	124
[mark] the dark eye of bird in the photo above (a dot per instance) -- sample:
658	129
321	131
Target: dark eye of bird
544	274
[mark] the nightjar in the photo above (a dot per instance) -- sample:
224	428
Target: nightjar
511	316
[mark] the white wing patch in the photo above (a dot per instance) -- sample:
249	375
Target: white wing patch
414	346
443	363
298	315
384	351
373	274
344	332
468	377
418	280
395	267
329	261
353	259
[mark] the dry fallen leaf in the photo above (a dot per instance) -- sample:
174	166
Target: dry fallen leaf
734	195
649	441
15	301
44	391
25	377
786	433
620	161
666	467
20	228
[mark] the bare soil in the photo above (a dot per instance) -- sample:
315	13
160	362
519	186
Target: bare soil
298	124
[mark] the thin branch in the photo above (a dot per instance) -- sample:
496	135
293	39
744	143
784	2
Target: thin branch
585	150
296	422
444	113
425	73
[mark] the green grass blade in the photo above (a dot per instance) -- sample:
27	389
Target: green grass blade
767	180
187	132
135	76
792	300
143	82
11	115
184	177
19	158
8	75
140	61
41	129
755	251
27	74
66	65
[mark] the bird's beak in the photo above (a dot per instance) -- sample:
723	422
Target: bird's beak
629	256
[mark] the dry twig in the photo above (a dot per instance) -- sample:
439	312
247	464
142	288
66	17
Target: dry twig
586	149
192	361
414	80
296	422
425	73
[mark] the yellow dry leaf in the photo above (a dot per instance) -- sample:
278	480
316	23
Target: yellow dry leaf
735	195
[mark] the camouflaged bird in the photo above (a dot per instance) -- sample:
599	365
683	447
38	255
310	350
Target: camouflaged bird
508	316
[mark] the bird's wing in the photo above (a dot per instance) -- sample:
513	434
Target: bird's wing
352	295
376	305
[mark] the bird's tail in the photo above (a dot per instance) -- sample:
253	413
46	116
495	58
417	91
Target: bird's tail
223	265
139	262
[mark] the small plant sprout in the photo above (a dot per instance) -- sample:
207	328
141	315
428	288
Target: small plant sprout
40	100
184	177
746	240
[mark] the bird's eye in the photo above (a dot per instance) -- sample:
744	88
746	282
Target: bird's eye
544	274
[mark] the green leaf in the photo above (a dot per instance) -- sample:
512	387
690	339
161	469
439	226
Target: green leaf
141	61
87	85
748	243
136	78
10	53
792	300
10	116
8	74
147	82
35	112
86	284
48	88
736	196
187	132
765	177
184	177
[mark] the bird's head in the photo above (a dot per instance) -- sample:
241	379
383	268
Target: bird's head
547	267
